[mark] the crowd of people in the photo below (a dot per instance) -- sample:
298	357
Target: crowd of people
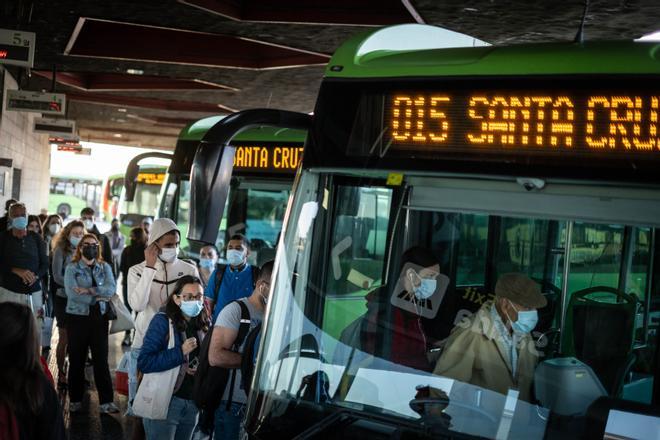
69	274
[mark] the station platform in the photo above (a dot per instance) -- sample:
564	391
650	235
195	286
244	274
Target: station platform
89	424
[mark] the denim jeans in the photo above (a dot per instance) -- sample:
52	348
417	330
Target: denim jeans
181	420
228	423
132	379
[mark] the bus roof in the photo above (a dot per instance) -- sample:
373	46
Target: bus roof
195	131
363	57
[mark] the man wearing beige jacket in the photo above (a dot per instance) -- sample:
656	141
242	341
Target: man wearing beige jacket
494	348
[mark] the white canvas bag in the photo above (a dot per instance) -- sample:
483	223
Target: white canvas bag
153	396
124	321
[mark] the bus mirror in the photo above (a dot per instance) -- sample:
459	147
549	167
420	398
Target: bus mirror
307	216
133	170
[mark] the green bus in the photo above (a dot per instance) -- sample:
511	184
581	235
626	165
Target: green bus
536	159
140	192
70	194
263	170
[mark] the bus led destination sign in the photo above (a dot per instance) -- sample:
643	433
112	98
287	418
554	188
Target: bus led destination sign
269	159
535	122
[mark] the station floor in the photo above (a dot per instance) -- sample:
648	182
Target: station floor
89	424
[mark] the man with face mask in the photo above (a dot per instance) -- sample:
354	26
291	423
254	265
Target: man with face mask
117	243
229	414
4	218
87	217
233	281
494	349
23	261
208	259
151	282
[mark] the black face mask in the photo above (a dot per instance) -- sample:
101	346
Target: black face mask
90	252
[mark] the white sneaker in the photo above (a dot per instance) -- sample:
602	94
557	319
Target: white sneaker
108	408
75	407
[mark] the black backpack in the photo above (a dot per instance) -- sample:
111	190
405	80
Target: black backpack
210	382
247	358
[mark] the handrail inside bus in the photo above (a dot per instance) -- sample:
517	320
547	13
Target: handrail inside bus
213	163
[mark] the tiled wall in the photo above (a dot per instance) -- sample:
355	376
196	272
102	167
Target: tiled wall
30	153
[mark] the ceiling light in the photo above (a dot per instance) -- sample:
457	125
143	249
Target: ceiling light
123	110
135	71
117	135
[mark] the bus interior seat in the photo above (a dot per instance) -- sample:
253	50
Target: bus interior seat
547	314
603	334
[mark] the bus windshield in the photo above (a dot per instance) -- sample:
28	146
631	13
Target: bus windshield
145	202
254	208
351	329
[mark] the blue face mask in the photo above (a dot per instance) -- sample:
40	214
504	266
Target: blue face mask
426	288
526	322
206	263
19	223
191	308
74	241
235	257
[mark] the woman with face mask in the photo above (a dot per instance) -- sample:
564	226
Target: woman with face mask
52	226
34	224
63	247
89	285
184	310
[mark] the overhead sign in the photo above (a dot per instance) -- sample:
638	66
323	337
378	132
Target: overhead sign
37	102
17	47
586	122
56	127
277	158
70	145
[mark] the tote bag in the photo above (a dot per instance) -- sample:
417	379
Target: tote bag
124	321
155	391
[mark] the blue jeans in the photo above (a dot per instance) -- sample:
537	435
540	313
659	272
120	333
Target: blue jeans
228	423
132	379
181	420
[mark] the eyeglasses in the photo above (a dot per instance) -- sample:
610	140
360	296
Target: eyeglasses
91	245
193	296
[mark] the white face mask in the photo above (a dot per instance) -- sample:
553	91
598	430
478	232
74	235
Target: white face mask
89	224
168	255
54	228
235	257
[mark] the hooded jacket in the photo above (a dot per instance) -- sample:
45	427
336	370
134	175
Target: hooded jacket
149	287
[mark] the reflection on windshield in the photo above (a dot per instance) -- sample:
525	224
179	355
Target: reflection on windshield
455	331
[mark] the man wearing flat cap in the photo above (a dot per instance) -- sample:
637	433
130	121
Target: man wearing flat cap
493	348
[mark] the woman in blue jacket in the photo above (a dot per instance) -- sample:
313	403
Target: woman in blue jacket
185	310
89	285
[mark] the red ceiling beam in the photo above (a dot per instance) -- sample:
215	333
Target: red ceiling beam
128	41
153	103
117	82
333	12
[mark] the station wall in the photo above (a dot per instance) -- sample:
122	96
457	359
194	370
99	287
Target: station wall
30	154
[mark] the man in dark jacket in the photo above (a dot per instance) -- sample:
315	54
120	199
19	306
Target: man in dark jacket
87	217
23	261
3	219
